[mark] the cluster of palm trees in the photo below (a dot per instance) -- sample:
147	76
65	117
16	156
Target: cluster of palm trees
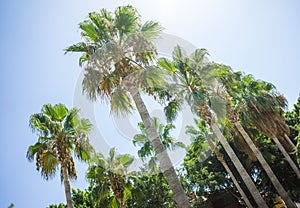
120	61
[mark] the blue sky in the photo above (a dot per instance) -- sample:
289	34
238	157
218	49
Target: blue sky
259	37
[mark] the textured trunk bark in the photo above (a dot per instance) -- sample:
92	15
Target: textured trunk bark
266	167
122	204
162	155
287	157
292	146
223	162
67	187
240	168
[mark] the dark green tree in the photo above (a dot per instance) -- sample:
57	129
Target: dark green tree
150	190
292	118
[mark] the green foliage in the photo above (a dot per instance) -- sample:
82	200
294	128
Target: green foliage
150	191
146	148
11	205
202	171
81	199
293	120
117	45
58	206
108	179
60	132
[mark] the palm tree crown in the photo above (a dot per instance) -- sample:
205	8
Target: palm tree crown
115	46
60	132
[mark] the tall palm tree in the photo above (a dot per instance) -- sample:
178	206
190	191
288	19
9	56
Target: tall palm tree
108	179
260	111
60	133
118	53
189	86
201	130
262	106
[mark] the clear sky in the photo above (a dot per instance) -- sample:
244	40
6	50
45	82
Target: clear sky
259	37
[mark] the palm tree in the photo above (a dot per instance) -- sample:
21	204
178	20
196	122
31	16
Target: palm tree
60	133
108	179
189	74
261	110
203	129
118	54
146	148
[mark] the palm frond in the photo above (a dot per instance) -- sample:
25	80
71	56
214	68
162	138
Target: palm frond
48	110
178	54
84	126
112	153
120	102
125	160
49	164
167	65
33	150
60	112
89	31
126	20
71	120
78	47
37	123
91	83
199	55
172	109
151	30
150	78
84	151
139	139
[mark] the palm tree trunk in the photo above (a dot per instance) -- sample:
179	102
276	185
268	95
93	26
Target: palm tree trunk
161	153
240	168
223	162
122	203
284	195
67	186
287	157
291	144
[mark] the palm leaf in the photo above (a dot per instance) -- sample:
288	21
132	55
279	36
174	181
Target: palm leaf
89	31
139	139
112	153
33	150
127	193
78	47
120	103
114	202
125	160
60	112
49	164
151	30
48	110
172	109
36	123
167	65
83	150
126	20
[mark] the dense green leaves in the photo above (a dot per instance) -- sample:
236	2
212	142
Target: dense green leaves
60	132
146	149
117	44
108	179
